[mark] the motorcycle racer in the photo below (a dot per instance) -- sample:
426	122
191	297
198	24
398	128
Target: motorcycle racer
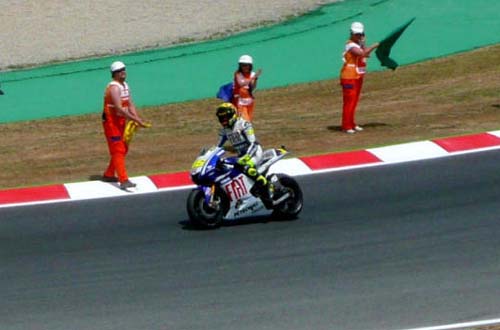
240	134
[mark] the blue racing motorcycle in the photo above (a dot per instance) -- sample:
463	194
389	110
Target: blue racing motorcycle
225	193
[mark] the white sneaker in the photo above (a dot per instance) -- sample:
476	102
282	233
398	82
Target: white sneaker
350	131
358	128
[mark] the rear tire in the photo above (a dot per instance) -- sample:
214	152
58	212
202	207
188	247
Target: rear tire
202	215
290	208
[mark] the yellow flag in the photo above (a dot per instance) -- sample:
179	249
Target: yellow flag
129	132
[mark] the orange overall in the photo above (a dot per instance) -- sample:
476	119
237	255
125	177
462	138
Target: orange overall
242	95
351	80
114	126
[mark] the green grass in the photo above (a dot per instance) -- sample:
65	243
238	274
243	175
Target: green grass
443	97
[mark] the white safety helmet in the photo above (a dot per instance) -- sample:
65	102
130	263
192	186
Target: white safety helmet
117	66
245	59
357	27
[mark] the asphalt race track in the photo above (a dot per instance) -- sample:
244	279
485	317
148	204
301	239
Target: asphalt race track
388	247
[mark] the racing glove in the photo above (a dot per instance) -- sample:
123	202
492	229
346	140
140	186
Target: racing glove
246	161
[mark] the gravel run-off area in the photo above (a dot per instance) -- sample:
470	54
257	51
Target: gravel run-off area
36	32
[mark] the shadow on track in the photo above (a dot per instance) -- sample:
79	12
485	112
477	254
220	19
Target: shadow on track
187	225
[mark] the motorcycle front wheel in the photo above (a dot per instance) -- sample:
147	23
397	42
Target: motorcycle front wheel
202	215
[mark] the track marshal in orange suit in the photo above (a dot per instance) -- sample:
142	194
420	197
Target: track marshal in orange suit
245	83
351	75
118	109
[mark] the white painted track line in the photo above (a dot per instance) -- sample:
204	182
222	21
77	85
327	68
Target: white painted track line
467	325
409	152
291	166
99	189
496	133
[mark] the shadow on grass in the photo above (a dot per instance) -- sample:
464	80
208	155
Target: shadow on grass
95	177
338	128
496	106
99	177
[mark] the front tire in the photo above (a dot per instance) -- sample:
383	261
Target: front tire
290	208
202	215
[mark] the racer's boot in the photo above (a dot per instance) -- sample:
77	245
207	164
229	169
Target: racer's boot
267	186
263	188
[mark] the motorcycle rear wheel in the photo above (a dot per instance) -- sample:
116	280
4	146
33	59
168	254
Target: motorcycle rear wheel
291	207
202	215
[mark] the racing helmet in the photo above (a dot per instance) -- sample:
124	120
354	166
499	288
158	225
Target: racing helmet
226	113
